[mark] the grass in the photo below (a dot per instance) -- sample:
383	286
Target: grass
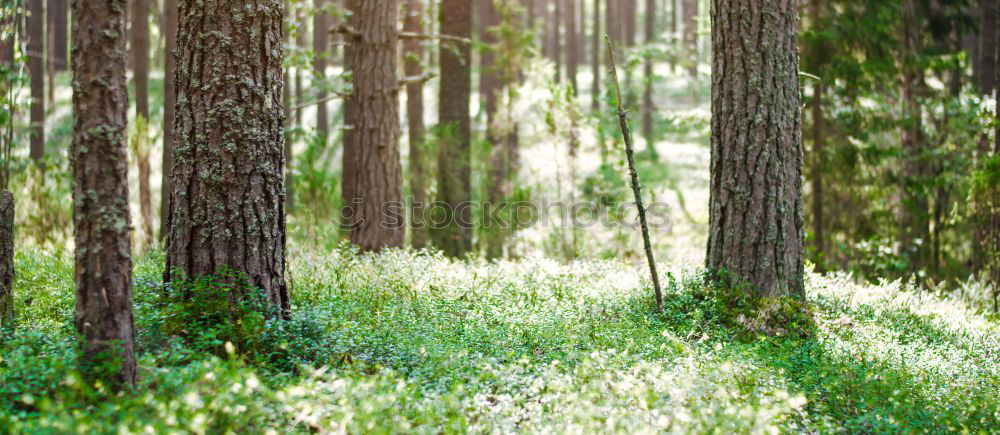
413	342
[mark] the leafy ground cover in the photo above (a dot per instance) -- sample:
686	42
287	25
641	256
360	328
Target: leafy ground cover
412	342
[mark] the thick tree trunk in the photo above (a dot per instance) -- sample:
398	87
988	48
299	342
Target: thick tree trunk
6	259
572	45
413	66
595	59
647	98
169	102
36	67
690	19
227	206
371	147
454	172
101	222
914	230
321	47
755	223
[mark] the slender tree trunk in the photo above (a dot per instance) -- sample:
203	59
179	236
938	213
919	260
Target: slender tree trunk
321	47
6	259
140	56
819	233
59	10
557	45
913	211
755	223
989	10
50	64
995	217
287	102
8	38
101	221
690	17
300	41
36	67
630	21
595	59
491	87
489	81
572	45
371	147
169	102
413	66
454	172
647	98
227	205
674	6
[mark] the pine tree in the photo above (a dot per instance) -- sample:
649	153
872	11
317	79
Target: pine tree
169	103
101	222
36	67
454	158
413	67
372	171
227	208
755	221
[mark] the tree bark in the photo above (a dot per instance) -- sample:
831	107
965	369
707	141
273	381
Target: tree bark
755	223
818	163
454	172
647	98
60	32
169	103
371	147
690	19
36	67
321	47
572	45
101	222
228	199
413	67
595	59
6	259
914	229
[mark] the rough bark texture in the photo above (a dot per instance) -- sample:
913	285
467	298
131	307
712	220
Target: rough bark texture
647	97
227	207
690	16
454	182
572	45
101	223
914	228
413	66
371	148
595	59
755	223
6	259
140	56
36	67
169	103
321	47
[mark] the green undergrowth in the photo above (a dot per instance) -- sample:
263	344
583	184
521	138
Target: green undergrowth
412	342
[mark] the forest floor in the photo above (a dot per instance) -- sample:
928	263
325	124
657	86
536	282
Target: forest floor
413	342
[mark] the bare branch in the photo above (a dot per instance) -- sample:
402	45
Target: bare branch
330	97
429	36
412	80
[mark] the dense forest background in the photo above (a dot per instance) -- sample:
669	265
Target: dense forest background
450	216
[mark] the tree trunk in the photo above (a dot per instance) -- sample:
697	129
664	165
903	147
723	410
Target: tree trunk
557	43
674	6
630	21
491	87
690	19
286	104
988	45
60	14
9	37
572	45
819	233
101	222
914	230
595	59
228	199
413	67
140	56
6	259
371	147
300	42
489	81
36	67
169	102
321	46
647	97
454	172
755	223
